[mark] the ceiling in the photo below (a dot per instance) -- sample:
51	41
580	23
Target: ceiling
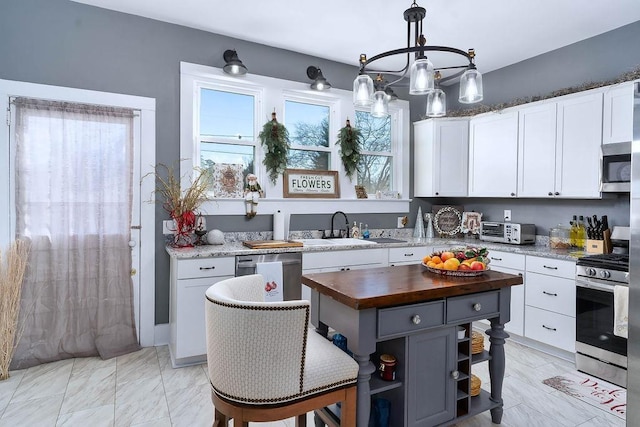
502	32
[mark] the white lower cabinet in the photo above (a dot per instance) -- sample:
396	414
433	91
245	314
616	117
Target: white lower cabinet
333	260
550	310
511	263
190	279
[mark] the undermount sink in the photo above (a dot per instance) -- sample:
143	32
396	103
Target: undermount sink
337	242
387	240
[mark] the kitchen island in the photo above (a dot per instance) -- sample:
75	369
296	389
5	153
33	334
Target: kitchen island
415	315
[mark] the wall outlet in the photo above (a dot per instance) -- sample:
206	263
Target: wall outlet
168	226
507	214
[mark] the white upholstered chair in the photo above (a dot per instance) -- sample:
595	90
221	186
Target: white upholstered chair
264	362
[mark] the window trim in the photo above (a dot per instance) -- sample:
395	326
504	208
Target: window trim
273	94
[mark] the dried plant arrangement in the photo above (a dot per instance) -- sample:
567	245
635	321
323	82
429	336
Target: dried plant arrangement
275	140
181	205
12	268
349	139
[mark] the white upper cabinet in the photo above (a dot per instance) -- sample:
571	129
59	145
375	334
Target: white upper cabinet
579	138
441	157
617	125
493	155
537	150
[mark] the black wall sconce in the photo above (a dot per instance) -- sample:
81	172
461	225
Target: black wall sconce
233	65
319	82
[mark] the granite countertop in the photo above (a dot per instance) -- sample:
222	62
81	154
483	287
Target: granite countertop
236	248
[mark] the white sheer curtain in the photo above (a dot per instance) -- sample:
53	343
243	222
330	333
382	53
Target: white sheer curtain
73	173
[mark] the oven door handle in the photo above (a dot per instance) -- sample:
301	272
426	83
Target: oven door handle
594	285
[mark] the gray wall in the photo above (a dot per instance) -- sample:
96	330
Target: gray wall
59	42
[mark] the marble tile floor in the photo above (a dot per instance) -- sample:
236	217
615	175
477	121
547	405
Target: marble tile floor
142	389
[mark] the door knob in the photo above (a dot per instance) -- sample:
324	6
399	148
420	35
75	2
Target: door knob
455	375
477	306
132	243
416	319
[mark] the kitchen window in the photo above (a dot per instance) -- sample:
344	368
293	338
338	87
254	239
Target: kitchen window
221	117
375	171
308	126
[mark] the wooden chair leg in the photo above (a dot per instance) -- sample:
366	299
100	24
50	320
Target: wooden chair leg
219	419
301	420
348	409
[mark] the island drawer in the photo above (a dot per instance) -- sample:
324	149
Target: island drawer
205	267
468	308
402	320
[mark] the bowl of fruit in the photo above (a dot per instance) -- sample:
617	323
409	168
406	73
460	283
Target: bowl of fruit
464	262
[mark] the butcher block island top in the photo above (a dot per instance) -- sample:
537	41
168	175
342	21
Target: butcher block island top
399	285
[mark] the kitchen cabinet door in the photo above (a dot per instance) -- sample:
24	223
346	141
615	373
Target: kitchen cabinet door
617	124
493	155
441	157
579	138
431	380
537	150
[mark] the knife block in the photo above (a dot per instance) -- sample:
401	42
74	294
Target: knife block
600	246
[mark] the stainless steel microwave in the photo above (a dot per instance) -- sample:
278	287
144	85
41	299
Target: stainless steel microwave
616	168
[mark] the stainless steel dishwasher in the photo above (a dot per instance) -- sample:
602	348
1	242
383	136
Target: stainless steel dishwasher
291	270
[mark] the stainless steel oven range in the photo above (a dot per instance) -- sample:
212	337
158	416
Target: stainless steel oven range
598	351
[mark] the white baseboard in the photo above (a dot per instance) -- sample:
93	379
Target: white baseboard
161	334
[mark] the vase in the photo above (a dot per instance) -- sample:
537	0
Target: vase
185	226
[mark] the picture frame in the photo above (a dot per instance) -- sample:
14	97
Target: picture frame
361	192
303	183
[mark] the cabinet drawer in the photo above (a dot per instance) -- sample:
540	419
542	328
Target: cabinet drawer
205	267
550	328
506	260
407	255
473	307
410	318
554	267
336	259
551	293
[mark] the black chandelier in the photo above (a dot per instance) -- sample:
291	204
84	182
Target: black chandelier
424	78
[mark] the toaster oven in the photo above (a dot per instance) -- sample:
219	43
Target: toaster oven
508	232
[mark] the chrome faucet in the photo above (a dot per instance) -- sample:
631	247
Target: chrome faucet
346	229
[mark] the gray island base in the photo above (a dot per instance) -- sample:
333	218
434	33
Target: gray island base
415	315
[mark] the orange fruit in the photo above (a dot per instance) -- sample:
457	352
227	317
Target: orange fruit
436	259
440	265
431	264
451	264
426	259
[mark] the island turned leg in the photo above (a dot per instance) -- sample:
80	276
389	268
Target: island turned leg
364	390
497	337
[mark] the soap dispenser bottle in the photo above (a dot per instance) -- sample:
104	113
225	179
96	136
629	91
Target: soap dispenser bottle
355	231
365	232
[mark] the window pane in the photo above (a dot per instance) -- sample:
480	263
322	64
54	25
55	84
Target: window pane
376	131
308	124
308	159
226	114
230	165
375	172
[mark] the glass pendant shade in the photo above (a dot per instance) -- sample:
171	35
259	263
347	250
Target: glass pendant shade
436	103
362	91
471	87
380	105
421	79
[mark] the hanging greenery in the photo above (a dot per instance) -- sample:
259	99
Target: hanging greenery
275	141
349	139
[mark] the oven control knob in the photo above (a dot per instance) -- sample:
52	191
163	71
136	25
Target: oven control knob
605	274
591	271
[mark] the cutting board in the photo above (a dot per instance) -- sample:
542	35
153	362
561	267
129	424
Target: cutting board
269	244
